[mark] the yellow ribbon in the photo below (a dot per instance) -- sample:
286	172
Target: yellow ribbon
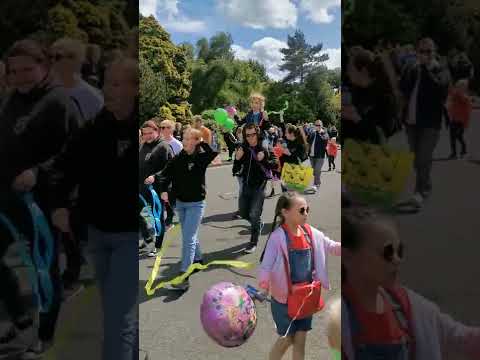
169	236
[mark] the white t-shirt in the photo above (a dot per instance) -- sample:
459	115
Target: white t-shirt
176	145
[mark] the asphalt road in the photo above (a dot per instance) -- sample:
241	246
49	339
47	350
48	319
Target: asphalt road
170	325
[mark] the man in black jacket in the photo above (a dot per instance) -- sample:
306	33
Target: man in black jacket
317	142
425	86
153	157
256	164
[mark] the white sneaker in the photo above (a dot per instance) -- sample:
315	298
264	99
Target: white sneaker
250	249
152	253
417	200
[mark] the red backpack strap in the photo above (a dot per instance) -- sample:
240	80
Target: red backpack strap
400	302
286	262
308	229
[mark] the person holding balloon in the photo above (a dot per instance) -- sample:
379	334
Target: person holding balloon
293	270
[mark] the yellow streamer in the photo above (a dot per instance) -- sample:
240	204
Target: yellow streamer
169	236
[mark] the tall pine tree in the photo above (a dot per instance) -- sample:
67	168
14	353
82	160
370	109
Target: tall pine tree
300	58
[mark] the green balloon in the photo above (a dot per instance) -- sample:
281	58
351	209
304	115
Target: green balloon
220	115
229	124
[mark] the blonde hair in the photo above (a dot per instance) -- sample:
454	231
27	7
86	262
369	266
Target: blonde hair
74	47
197	118
168	123
334	324
258	96
197	134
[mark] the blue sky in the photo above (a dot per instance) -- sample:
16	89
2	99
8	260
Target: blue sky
259	28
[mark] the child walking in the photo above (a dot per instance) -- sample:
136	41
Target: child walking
332	149
295	255
459	111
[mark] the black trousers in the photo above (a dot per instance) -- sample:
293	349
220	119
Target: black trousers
331	162
456	134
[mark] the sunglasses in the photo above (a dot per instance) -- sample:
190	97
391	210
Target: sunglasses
164	127
59	57
304	210
251	135
389	251
319	125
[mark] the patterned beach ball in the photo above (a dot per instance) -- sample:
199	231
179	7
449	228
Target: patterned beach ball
228	314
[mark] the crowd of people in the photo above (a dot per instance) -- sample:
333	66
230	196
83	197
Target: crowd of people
180	179
389	89
68	121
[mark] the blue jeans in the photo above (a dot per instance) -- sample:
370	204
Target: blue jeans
190	216
251	208
115	257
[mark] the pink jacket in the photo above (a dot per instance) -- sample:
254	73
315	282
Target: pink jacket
272	276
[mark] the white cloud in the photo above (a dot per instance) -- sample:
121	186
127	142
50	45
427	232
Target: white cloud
267	52
260	14
168	14
183	24
318	10
334	58
148	7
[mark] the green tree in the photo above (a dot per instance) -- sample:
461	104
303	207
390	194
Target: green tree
220	47
153	92
300	58
202	49
318	95
165	58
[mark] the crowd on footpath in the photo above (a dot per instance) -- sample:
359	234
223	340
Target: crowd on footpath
68	123
388	90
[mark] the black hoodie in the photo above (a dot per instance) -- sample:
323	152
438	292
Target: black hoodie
186	174
153	157
102	159
33	129
252	171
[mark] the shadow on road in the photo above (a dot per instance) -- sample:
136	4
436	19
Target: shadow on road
168	295
267	228
441	159
219	218
171	270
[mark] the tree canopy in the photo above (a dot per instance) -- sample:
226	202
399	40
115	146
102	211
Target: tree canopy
106	23
300	58
199	78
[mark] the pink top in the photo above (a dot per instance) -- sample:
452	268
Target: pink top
272	276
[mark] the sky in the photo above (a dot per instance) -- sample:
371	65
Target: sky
259	28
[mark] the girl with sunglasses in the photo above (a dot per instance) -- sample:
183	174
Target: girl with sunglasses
295	255
380	318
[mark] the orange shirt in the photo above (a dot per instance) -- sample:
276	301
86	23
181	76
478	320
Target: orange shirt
332	149
459	107
206	135
297	242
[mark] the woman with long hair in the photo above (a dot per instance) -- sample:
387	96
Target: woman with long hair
294	147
